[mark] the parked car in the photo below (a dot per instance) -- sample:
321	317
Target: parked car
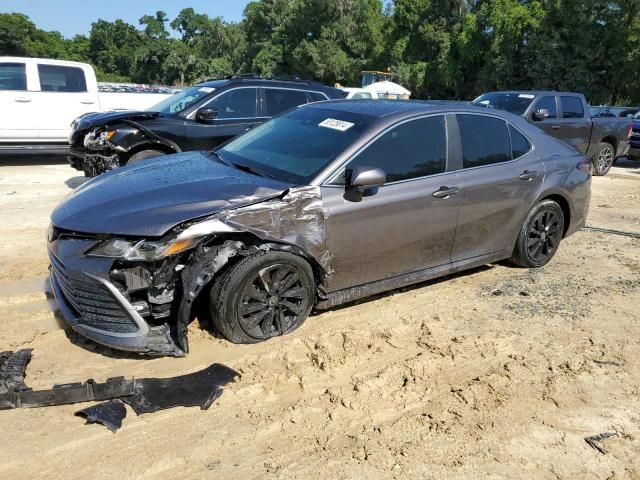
565	115
197	118
606	111
354	93
40	97
325	204
634	141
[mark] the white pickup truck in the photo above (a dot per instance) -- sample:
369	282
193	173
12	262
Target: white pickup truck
39	98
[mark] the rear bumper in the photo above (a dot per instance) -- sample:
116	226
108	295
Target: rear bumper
623	149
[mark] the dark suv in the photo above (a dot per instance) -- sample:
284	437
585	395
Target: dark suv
197	118
327	203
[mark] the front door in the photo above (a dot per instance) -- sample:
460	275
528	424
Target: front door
237	110
500	177
401	227
552	124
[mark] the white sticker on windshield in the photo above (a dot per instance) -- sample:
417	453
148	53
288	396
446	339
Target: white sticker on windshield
336	124
526	95
206	89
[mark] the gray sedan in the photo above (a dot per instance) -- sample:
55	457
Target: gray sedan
325	204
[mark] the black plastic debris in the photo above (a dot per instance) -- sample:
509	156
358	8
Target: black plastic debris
199	389
595	441
13	367
110	414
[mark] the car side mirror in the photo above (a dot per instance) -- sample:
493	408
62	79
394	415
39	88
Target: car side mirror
364	180
206	114
541	114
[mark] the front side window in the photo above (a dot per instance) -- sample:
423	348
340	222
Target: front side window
572	107
56	78
238	103
549	104
279	100
516	103
414	149
13	76
485	140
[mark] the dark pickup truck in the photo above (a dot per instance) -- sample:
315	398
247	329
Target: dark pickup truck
565	115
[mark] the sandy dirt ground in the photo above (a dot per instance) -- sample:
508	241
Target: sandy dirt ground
498	372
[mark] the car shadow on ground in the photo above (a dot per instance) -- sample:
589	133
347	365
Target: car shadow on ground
28	160
626	163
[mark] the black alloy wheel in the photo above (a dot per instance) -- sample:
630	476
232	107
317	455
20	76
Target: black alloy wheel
540	235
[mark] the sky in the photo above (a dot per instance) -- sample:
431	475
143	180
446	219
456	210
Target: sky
70	17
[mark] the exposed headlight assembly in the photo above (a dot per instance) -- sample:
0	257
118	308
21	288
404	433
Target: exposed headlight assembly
142	249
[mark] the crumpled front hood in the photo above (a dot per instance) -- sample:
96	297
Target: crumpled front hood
90	120
149	198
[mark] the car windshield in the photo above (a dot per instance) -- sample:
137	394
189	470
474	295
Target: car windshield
298	145
516	103
177	102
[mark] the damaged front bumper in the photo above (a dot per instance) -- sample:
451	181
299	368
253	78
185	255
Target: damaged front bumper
96	308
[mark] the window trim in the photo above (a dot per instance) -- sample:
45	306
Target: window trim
459	139
304	91
337	171
82	71
26	75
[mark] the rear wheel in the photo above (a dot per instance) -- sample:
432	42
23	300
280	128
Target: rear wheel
144	155
603	159
540	235
262	296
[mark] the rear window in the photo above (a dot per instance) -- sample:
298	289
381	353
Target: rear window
485	140
55	78
13	76
519	144
572	107
516	103
317	97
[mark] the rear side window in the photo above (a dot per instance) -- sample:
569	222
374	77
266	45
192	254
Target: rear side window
414	149
54	78
316	97
519	144
279	101
548	103
361	95
572	107
485	140
13	76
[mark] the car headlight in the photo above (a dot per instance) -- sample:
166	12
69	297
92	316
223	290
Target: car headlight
142	249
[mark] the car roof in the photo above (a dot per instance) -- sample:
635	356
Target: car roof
399	108
255	80
535	92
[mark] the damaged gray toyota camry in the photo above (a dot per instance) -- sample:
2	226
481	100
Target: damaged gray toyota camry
327	203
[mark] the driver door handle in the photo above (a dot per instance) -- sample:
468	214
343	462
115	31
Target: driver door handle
556	127
23	100
445	192
528	175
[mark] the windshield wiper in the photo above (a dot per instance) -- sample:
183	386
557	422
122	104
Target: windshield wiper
222	160
255	171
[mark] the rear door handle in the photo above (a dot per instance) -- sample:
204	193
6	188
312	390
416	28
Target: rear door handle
87	102
445	192
528	175
23	100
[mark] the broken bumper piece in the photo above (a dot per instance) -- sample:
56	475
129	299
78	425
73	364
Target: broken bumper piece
96	309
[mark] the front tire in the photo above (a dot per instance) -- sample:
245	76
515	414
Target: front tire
540	235
262	296
144	155
603	159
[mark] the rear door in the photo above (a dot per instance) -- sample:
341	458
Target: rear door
401	227
17	114
237	110
576	127
500	177
63	96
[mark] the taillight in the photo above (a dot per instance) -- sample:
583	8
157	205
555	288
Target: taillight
585	165
630	132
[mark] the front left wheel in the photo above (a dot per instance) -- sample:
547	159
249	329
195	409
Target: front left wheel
262	296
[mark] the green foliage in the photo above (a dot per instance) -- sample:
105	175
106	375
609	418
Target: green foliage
436	48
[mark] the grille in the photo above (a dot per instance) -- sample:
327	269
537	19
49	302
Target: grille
92	301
